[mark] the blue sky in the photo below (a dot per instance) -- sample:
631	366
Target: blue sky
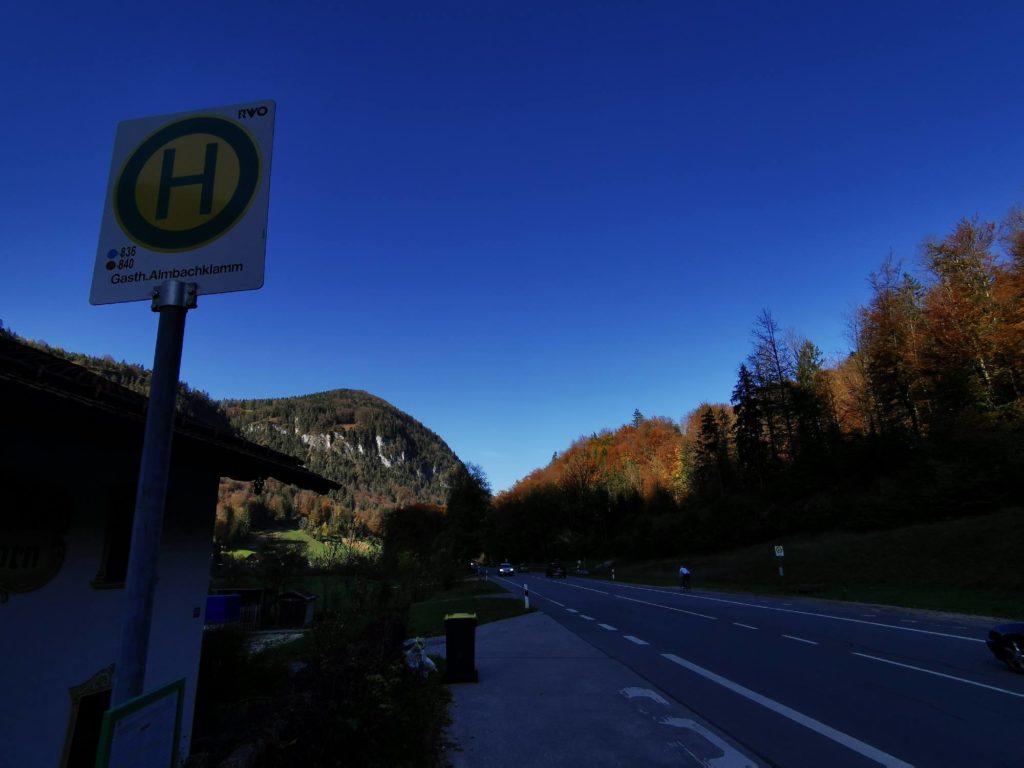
516	221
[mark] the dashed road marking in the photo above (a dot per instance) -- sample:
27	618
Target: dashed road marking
588	618
801	640
536	594
609	627
868	751
588	589
666	607
692	596
636	640
939	674
745	626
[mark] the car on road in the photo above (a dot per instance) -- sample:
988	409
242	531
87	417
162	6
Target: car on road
506	569
555	570
523	568
1007	644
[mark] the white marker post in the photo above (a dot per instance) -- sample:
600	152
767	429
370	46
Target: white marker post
526	596
185	214
780	553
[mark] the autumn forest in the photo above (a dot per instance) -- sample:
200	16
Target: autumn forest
921	421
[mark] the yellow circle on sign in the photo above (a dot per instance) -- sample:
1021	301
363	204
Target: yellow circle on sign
201	173
184	208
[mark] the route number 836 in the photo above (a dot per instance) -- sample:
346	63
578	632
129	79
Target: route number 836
127	257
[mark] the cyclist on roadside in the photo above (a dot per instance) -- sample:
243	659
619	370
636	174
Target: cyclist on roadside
684	577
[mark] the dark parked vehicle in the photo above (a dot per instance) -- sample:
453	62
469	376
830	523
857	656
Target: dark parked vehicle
1007	644
523	568
555	570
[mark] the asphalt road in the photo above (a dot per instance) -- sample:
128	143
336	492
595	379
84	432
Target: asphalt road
805	682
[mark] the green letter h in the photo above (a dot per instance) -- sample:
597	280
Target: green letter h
168	180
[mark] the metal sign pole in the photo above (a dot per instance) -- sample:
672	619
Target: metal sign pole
172	300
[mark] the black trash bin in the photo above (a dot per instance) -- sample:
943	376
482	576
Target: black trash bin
460	647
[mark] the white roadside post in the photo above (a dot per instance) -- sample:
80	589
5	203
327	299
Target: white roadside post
779	553
526	596
185	214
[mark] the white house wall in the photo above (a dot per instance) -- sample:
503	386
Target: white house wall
60	635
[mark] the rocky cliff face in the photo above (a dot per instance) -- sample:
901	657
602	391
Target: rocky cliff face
382	456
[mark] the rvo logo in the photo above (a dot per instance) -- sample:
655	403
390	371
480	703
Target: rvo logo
251	112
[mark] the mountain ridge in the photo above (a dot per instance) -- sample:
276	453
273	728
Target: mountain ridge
383	457
355	438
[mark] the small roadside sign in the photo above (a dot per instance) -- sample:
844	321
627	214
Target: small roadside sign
145	730
778	551
187	200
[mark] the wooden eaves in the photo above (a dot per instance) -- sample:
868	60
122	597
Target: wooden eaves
45	391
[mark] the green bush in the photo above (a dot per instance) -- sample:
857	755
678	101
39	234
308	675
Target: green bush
344	696
362	706
229	674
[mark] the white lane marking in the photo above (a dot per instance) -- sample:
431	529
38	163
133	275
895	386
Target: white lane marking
572	610
939	674
588	618
800	639
588	589
745	626
870	752
609	627
636	640
535	594
805	613
667	607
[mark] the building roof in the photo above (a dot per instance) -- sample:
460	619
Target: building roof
58	391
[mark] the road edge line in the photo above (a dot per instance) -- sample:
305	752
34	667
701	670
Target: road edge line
850	742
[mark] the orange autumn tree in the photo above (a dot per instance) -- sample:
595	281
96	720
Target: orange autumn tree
1007	337
922	418
577	501
962	318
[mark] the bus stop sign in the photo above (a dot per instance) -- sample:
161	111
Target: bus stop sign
187	200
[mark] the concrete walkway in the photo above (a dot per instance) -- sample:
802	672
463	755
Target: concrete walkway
548	698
